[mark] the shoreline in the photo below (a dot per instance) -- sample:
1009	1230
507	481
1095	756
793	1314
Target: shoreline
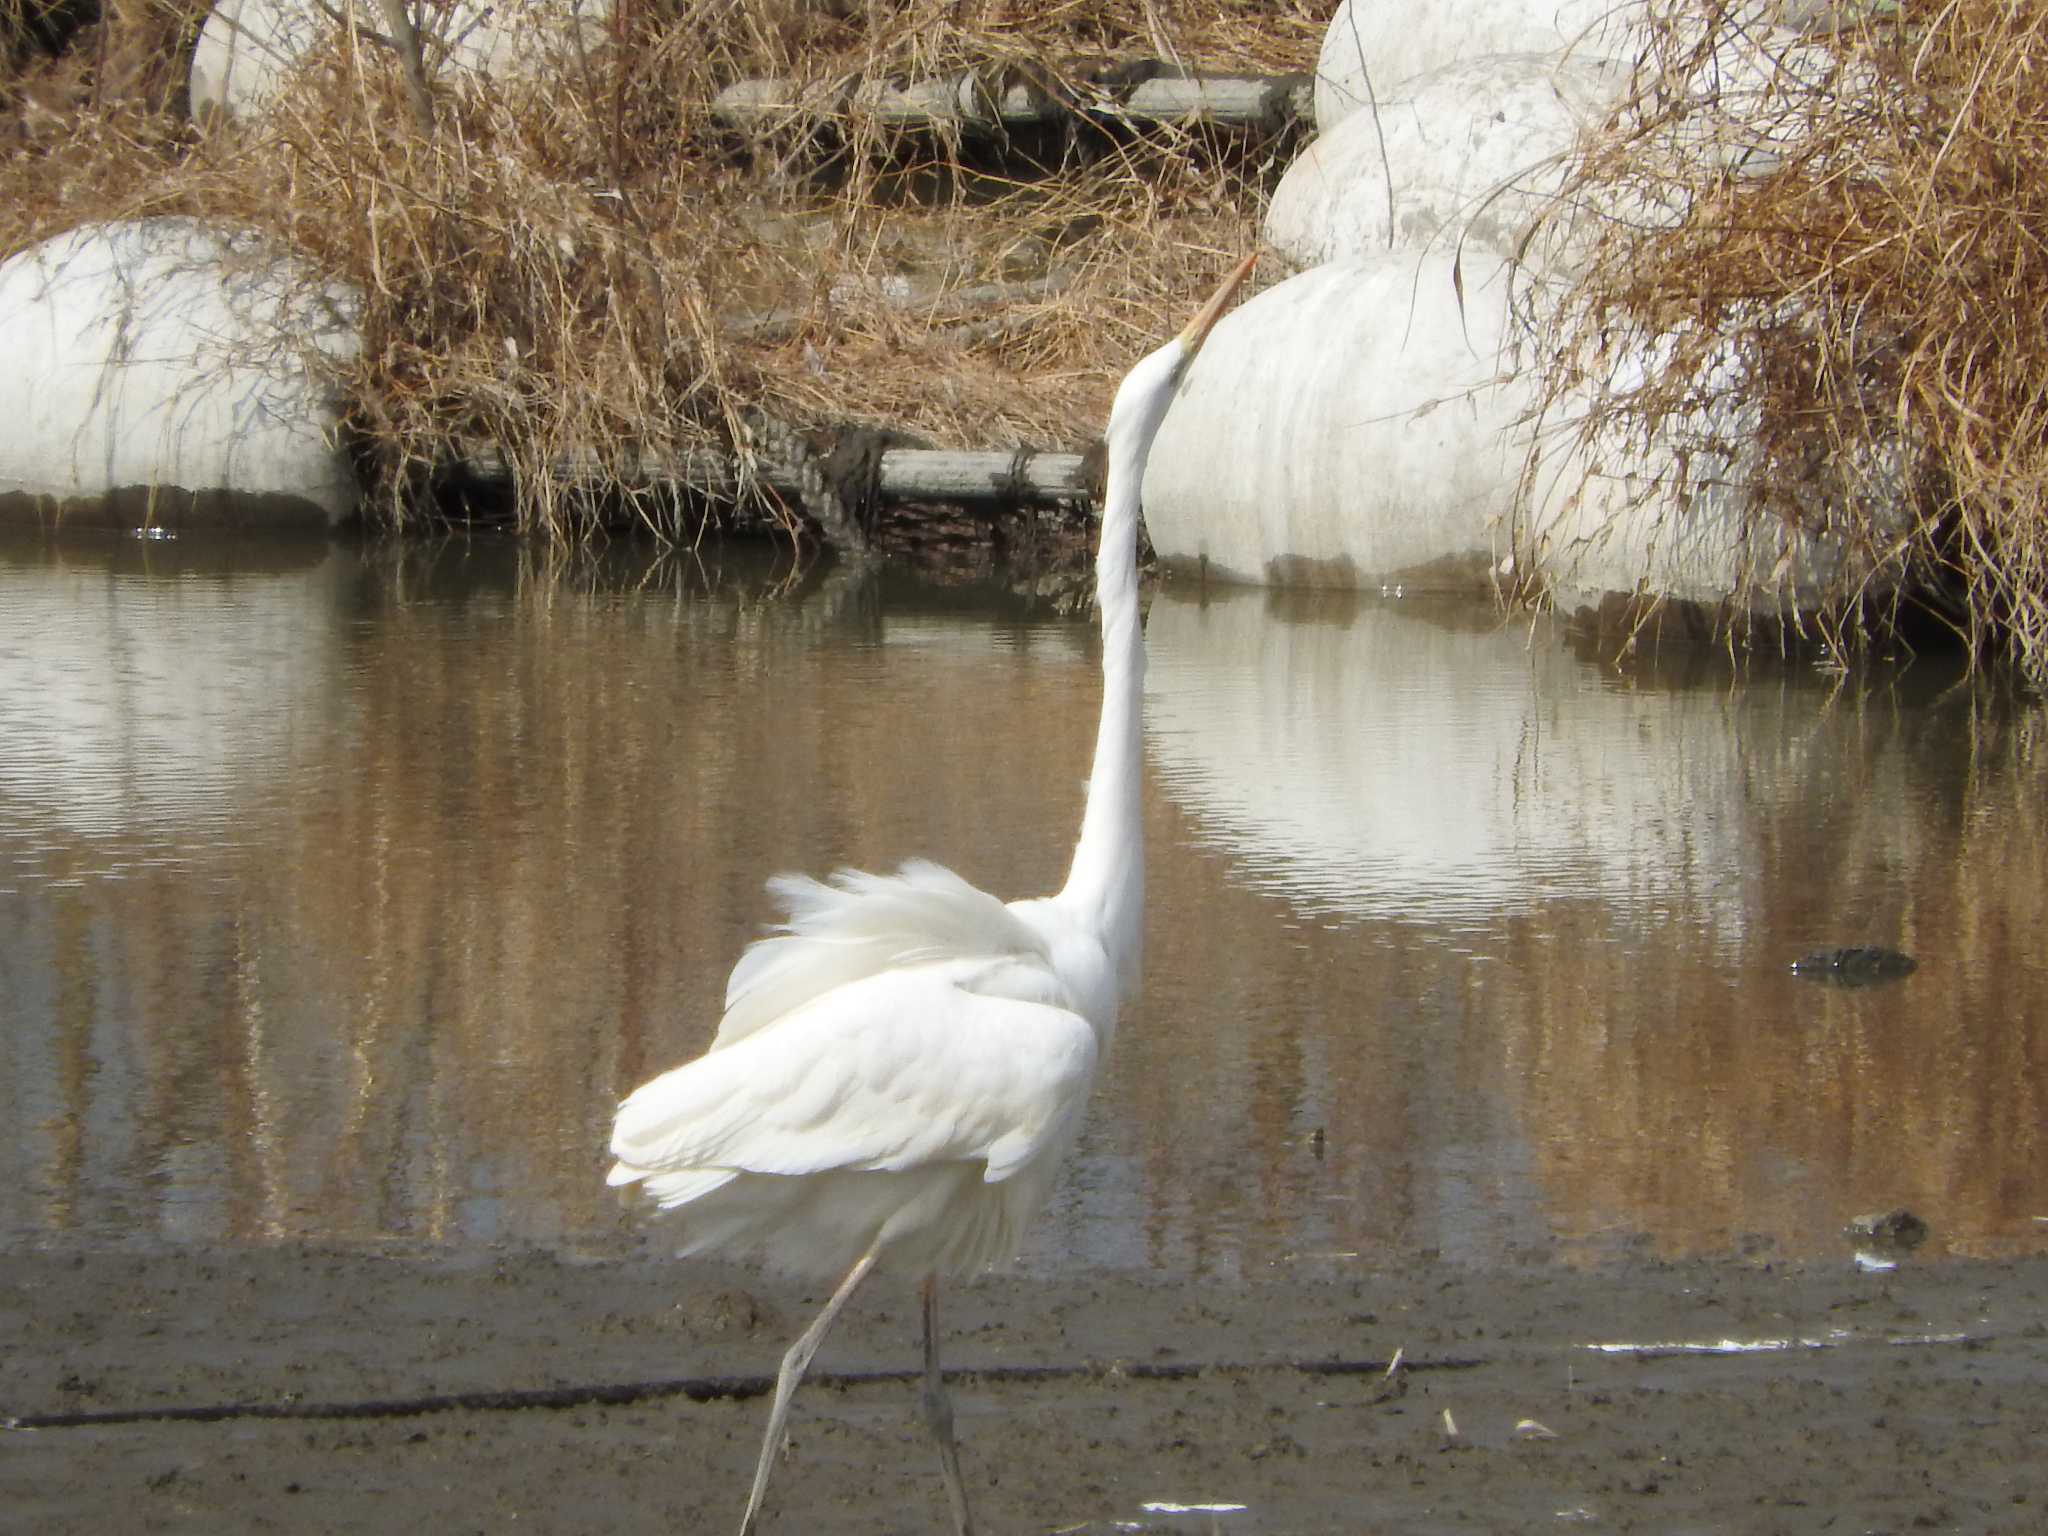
1885	1400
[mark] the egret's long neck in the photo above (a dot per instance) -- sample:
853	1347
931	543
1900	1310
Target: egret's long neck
1106	886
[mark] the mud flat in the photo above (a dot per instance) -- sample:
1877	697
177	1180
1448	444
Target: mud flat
307	1389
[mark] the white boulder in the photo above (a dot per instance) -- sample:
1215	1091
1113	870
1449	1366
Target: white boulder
1374	46
1611	512
1352	426
164	371
248	48
1468	155
1678	521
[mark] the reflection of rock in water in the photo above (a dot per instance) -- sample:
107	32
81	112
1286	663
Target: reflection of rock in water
1856	965
1585	877
148	685
1419	759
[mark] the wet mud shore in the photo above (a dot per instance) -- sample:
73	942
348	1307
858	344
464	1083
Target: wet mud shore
327	1389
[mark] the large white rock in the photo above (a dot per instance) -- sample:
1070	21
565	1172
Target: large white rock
160	372
248	48
1467	154
1477	145
1351	426
1374	46
1609	514
1750	102
1673	523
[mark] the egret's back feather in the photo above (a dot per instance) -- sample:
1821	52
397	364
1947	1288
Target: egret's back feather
940	1063
861	925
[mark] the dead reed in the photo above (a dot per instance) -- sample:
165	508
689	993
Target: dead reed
591	262
1825	233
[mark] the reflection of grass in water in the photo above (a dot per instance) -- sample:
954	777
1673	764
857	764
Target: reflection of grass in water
511	884
596	265
1841	257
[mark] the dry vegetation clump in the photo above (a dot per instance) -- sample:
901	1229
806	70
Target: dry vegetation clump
1827	250
592	265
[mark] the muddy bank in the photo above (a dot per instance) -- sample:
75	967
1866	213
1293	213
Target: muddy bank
1918	1401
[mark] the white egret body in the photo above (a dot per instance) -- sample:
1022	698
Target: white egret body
901	1067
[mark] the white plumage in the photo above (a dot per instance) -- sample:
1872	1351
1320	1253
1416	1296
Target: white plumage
902	1064
897	1072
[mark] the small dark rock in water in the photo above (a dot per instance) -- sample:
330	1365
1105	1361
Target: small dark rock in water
1894	1231
1859	965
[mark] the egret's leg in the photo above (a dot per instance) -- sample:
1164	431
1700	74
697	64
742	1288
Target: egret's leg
794	1364
938	1412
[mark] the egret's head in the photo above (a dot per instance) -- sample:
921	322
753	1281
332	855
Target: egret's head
1147	390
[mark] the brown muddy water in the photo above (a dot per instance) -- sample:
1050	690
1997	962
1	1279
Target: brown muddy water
343	891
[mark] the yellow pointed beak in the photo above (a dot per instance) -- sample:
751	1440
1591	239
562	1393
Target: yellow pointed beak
1197	332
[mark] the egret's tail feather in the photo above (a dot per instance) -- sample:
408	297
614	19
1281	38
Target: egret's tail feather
940	1218
670	1190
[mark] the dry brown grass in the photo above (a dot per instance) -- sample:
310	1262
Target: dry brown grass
596	265
1851	245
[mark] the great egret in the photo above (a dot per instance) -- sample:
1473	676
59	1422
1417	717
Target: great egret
902	1065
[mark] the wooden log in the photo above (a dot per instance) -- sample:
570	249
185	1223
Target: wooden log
760	103
960	100
712	475
964	102
936	474
1022	478
1265	102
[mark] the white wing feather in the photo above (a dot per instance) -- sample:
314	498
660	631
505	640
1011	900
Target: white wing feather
950	1061
861	925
